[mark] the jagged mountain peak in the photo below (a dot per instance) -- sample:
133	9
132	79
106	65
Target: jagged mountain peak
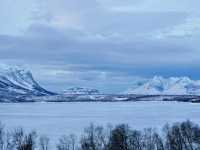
159	85
17	81
18	76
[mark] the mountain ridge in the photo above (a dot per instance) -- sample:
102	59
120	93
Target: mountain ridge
19	85
16	83
159	85
81	91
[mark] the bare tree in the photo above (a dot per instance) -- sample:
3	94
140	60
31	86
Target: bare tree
44	143
2	136
87	140
158	142
148	140
187	134
67	143
178	136
24	141
119	138
9	145
73	140
174	138
135	140
196	136
94	138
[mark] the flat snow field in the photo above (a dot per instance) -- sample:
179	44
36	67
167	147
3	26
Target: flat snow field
56	119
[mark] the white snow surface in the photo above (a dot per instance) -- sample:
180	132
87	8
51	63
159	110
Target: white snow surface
166	86
56	119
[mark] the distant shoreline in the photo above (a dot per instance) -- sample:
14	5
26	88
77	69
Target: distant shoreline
104	98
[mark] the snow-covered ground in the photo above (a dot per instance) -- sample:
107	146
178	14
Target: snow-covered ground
56	119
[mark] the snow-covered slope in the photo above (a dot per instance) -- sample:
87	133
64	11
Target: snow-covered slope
16	82
166	86
80	91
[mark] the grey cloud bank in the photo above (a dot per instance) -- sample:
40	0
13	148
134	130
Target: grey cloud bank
101	44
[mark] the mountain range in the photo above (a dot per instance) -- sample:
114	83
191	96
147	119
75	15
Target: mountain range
19	85
159	85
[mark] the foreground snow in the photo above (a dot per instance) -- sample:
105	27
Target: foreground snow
56	119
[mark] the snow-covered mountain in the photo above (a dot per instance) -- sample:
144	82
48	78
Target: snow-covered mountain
166	86
80	91
16	82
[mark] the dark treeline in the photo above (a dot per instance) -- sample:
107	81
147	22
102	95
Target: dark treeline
179	136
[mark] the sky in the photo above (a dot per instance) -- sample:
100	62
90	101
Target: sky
103	44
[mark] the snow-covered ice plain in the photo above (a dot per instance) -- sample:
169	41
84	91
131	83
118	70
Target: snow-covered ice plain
56	119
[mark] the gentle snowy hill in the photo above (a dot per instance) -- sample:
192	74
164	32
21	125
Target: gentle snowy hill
166	86
16	83
80	91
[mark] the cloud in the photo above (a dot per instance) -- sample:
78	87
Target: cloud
15	15
190	28
47	44
102	43
155	6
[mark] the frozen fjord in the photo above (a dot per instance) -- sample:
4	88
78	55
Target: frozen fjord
56	119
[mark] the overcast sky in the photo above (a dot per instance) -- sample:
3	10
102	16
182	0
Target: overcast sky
103	44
